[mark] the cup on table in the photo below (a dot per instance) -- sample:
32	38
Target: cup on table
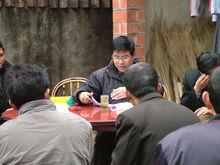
104	99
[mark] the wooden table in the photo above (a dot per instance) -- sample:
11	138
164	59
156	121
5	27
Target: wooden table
100	119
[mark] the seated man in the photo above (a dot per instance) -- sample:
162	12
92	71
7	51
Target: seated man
151	118
108	80
41	134
197	144
195	81
4	65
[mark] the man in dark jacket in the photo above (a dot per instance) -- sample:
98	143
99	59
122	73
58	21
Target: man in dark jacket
195	81
151	118
4	65
108	81
197	144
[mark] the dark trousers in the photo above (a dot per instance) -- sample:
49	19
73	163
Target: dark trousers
104	146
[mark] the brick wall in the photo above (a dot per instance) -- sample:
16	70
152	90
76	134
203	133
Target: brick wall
128	19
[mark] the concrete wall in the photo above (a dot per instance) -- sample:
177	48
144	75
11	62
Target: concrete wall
65	42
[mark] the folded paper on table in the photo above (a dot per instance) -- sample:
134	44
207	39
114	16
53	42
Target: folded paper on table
120	107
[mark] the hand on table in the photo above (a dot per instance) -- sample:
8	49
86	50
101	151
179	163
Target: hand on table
86	97
118	93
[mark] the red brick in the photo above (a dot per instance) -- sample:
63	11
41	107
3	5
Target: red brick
140	16
131	16
116	28
140	39
115	4
140	52
135	4
120	16
124	4
124	28
136	27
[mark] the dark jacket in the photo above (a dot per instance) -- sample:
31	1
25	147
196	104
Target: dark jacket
189	98
3	98
102	82
192	145
141	127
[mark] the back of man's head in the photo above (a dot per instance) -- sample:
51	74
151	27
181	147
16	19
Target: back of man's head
1	46
207	61
214	89
123	43
141	79
25	83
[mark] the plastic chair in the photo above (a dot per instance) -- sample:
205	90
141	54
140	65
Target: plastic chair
67	86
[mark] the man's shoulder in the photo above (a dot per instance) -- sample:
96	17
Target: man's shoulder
8	126
73	119
100	70
192	73
186	133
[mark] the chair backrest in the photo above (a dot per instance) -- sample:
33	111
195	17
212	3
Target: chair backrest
67	86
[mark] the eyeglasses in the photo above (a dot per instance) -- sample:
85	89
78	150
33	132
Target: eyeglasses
123	58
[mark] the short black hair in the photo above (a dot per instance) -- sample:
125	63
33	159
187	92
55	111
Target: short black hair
25	83
123	43
1	46
207	61
213	89
141	79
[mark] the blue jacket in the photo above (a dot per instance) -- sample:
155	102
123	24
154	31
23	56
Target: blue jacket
192	145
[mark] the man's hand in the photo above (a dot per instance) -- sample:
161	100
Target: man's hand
203	111
86	97
118	93
201	83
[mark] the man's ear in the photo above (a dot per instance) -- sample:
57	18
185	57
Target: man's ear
131	98
159	88
47	94
206	100
12	105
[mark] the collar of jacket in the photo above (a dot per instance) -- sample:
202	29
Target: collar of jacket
150	96
36	106
112	71
4	66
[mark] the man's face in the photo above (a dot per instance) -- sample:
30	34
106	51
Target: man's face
2	57
122	60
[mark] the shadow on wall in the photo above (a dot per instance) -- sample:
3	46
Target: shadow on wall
66	42
174	48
